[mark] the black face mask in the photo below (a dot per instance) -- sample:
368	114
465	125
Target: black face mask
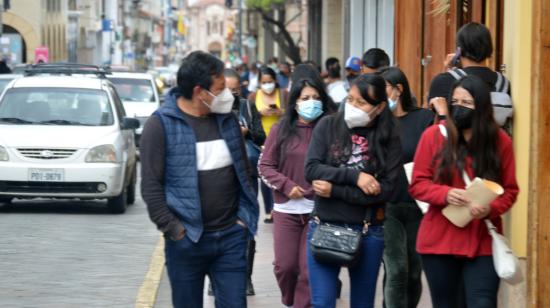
462	116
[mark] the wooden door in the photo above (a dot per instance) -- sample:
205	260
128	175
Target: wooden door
440	26
425	33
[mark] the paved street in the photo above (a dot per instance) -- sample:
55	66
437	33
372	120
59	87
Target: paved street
69	254
267	292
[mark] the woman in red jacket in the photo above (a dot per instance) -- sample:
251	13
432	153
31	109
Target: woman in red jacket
455	257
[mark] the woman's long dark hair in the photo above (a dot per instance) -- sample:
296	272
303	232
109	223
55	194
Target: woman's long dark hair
483	144
287	125
381	128
395	76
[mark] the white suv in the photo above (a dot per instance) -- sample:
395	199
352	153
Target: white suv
139	95
64	134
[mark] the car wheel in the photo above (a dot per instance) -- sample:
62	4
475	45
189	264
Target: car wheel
131	198
118	204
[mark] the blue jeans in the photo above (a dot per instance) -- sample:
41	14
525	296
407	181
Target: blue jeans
323	278
221	255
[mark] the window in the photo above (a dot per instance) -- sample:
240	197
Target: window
56	106
371	25
134	90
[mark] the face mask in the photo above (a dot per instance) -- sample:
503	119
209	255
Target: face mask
222	103
268	88
462	116
310	110
392	104
356	117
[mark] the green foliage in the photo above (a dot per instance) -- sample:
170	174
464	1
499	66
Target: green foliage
265	5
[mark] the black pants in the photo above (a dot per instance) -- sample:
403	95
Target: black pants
460	282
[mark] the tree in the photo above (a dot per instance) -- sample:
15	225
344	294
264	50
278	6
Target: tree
277	28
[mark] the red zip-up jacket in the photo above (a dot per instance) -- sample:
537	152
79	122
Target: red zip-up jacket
436	234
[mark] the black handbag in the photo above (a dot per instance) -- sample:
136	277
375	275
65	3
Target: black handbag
338	245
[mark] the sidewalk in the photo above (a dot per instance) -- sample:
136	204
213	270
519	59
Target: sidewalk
265	285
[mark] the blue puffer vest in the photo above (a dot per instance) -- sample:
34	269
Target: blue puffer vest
181	182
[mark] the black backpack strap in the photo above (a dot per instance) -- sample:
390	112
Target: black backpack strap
502	84
457	73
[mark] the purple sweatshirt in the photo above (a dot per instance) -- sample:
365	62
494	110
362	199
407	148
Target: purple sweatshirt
283	174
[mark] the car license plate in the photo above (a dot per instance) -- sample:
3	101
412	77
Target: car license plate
46	175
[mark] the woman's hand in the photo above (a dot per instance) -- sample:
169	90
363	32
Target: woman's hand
322	188
368	184
296	193
458	197
479	211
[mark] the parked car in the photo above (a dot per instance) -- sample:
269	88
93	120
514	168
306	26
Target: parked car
64	134
7	78
139	95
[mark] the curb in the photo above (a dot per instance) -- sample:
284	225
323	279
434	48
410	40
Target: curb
147	293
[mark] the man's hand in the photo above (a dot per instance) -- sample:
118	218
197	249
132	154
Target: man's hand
244	130
180	235
458	197
296	193
448	65
368	184
439	104
322	188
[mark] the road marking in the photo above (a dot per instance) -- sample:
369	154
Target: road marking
147	294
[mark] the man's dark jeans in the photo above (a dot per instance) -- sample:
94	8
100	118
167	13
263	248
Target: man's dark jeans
222	255
402	264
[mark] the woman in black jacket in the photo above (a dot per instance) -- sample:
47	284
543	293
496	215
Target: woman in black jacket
353	161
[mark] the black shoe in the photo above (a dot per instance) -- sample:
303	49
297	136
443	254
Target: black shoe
250	288
268	219
339	292
210	291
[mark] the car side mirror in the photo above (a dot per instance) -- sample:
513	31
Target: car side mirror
130	123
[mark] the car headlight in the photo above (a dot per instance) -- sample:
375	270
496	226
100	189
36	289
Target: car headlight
102	154
4	154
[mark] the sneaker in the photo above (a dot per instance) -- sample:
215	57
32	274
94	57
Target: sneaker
250	288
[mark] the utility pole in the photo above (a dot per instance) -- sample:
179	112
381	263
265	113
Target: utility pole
1	20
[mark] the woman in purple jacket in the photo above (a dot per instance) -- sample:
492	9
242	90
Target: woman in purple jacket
282	168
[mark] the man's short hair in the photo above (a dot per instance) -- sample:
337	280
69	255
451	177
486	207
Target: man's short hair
475	42
197	69
375	58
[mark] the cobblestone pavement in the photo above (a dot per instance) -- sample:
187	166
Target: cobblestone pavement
73	254
267	292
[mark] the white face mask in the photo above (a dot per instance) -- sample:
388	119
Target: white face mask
268	88
222	103
356	117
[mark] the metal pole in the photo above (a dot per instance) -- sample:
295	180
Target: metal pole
1	20
241	29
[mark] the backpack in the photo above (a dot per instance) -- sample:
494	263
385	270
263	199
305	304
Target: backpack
501	100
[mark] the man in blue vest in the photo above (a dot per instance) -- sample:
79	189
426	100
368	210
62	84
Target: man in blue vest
196	184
